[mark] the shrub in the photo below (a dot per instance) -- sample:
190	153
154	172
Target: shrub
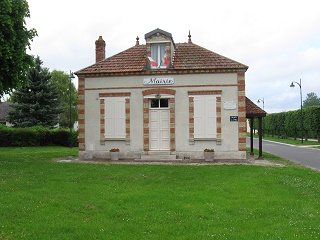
5	136
22	137
36	136
61	137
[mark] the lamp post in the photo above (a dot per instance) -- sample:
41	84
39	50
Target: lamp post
71	76
301	117
261	100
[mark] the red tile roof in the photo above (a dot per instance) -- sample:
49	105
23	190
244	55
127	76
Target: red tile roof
130	60
192	56
187	56
253	110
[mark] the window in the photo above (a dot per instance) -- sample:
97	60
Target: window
159	103
205	117
158	54
115	117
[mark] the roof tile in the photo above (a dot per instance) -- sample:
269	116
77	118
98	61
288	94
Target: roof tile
192	56
253	110
187	56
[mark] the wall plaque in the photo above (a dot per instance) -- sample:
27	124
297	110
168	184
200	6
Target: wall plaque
229	105
158	81
233	118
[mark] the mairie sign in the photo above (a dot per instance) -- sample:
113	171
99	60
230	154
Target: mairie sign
158	81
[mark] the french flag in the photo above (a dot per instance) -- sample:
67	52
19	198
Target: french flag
153	63
166	60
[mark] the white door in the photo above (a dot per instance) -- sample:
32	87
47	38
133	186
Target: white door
159	127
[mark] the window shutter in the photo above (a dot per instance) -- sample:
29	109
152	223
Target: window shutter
210	117
120	118
198	117
115	119
205	117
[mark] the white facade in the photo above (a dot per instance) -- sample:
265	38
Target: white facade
227	146
162	97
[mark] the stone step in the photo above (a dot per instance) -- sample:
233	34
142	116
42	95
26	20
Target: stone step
158	156
158	160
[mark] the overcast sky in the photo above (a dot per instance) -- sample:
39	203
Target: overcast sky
278	39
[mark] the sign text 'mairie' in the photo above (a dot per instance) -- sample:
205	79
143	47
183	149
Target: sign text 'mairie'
158	81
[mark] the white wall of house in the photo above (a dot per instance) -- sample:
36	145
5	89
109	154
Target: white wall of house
226	82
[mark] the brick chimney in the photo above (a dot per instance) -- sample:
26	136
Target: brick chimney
100	49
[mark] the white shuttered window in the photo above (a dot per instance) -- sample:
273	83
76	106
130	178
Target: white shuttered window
205	116
115	117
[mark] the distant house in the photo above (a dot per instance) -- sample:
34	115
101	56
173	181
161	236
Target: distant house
162	98
4	110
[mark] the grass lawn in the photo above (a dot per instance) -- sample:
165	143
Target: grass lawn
44	199
287	140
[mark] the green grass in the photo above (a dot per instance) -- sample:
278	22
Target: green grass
44	199
287	140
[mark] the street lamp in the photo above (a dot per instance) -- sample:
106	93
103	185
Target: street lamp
262	100
71	76
299	84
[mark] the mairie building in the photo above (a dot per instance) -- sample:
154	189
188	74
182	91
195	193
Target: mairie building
162	98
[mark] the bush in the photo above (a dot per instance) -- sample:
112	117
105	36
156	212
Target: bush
61	137
36	136
5	136
44	135
23	137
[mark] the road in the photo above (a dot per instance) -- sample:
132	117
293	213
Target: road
302	155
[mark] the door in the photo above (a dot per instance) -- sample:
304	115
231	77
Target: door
159	125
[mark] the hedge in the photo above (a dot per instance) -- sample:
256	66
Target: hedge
36	136
288	124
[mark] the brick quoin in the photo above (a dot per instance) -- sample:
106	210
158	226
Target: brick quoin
242	129
242	109
81	121
242	119
241	75
241	88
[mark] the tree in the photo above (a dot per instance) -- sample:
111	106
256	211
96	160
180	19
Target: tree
14	39
62	82
311	100
36	104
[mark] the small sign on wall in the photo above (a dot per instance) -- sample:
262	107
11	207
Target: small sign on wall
229	105
158	81
233	118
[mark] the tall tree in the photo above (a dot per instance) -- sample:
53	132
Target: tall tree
36	104
311	100
14	39
62	82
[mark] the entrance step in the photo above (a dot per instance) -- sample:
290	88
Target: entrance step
158	156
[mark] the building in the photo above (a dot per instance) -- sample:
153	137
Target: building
162	98
5	107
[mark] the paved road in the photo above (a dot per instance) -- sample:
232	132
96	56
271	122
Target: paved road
302	155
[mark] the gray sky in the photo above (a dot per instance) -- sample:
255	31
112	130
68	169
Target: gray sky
278	39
